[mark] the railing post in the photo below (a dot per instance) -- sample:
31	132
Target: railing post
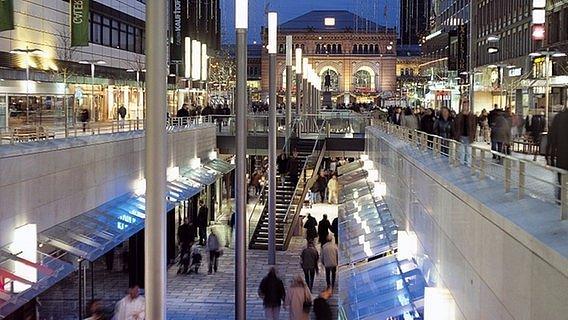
564	195
452	152
482	164
522	179
473	158
507	164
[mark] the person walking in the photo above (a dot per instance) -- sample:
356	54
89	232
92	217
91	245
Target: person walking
500	135
96	310
84	117
557	145
131	307
282	165
335	229
322	310
202	217
329	259
121	116
298	299
273	294
213	248
184	234
231	229
443	128
293	168
311	227
333	190
323	230
309	262
465	131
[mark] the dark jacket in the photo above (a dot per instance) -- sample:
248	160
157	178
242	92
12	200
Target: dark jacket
501	131
334	226
202	216
184	233
272	291
122	112
322	310
182	113
557	147
310	226
427	124
396	120
85	115
282	164
323	229
538	125
443	128
458	126
310	257
493	114
293	166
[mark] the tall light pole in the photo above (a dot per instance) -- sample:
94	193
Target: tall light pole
288	91
92	63
272	45
548	55
28	52
299	63
156	160
241	25
305	100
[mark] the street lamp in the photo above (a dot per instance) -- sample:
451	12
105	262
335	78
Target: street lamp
241	26
28	52
92	63
298	79
138	90
547	54
272	45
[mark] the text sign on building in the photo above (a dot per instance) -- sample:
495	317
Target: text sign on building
79	22
177	40
515	72
457	46
6	15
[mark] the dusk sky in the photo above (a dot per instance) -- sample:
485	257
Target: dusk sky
373	10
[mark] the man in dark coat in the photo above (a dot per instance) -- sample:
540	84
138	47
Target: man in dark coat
293	168
184	235
309	262
465	131
311	228
202	217
183	112
272	292
323	230
557	146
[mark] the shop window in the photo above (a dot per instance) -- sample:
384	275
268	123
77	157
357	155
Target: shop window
96	36
123	36
106	32
114	35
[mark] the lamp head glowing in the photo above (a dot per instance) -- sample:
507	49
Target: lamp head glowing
272	32
241	14
305	68
298	60
289	50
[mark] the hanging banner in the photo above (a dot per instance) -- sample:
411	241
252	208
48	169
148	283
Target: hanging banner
6	15
79	21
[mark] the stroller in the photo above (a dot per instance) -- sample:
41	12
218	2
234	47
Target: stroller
184	259
195	260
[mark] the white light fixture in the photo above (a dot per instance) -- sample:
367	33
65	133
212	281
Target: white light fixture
373	175
368	165
380	189
195	60
289	50
272	32
539	3
493	38
204	62
407	245
195	163
329	22
140	187
364	157
438	304
187	57
213	155
538	16
241	14
305	68
24	246
558	54
172	173
298	60
535	54
492	50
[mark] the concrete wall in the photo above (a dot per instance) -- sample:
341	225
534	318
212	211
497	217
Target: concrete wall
475	242
48	183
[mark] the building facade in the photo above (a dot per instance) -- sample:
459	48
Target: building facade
59	85
359	55
413	20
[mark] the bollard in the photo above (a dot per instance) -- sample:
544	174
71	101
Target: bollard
473	159
564	195
507	165
482	164
522	179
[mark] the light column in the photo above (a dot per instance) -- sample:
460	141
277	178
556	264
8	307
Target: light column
298	80
305	100
272	45
288	122
241	25
156	161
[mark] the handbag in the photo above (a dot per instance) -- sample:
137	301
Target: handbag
307	306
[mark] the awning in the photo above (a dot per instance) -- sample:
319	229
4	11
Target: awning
381	289
183	189
200	175
220	166
22	280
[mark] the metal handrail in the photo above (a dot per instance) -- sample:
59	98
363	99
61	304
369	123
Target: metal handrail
512	171
262	191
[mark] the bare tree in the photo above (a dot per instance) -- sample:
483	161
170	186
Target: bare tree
223	71
65	53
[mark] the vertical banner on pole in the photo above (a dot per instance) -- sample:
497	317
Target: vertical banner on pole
79	16
6	15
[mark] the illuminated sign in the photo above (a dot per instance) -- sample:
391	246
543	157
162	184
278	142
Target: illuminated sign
538	32
329	22
515	72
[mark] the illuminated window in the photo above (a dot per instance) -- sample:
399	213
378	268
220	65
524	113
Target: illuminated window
329	22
